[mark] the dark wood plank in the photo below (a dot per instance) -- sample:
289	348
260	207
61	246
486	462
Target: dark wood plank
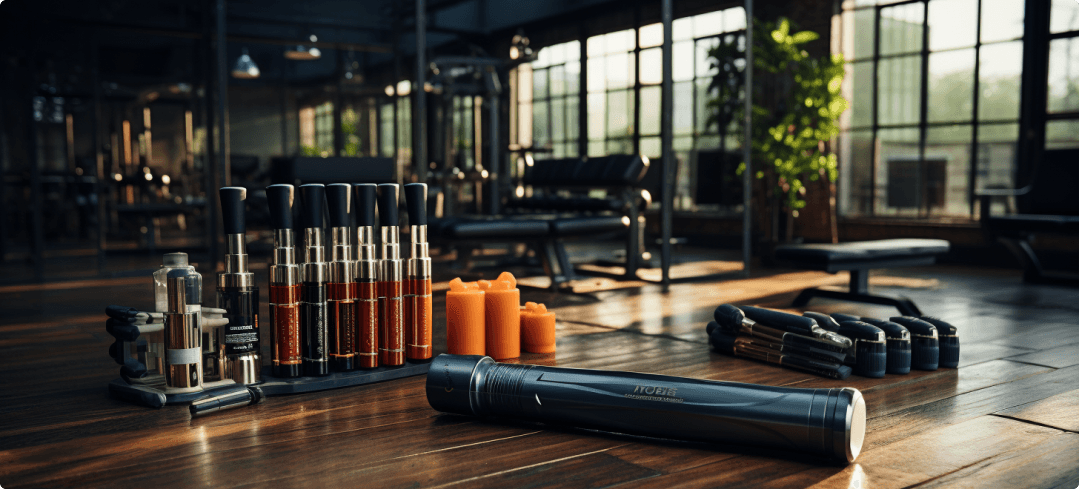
1049	463
1060	411
1059	357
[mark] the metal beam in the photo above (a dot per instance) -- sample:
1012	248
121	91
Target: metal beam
99	158
222	72
666	180
747	147
419	102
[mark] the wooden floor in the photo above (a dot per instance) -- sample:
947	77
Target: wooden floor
1008	417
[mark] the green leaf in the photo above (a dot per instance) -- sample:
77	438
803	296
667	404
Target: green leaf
805	36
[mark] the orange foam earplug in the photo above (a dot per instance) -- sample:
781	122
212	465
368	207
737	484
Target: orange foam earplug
465	318
502	313
537	329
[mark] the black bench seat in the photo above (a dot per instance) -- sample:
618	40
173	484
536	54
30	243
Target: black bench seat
859	258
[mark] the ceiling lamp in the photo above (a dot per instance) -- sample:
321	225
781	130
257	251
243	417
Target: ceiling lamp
245	67
301	52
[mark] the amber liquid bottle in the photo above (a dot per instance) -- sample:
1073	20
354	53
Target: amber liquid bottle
418	291
391	275
284	286
366	276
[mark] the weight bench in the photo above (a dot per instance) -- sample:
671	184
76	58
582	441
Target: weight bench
859	258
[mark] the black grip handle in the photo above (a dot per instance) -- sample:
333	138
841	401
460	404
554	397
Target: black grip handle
416	200
387	204
729	317
943	327
840	317
232	209
916	326
823	320
781	320
337	196
364	197
121	312
122	330
858	330
891	330
313	196
280	197
721	340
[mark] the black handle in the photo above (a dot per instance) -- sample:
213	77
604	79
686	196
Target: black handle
122	330
823	320
729	317
416	200
232	209
313	196
280	197
337	196
781	320
364	197
891	330
916	326
840	317
387	204
121	312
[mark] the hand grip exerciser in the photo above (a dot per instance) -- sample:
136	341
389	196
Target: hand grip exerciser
824	422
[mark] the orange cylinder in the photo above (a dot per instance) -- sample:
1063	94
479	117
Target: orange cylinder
465	333
537	329
502	316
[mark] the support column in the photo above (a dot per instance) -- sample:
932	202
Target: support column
419	100
747	148
667	150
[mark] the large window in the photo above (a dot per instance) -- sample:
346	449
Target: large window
1062	105
934	91
556	81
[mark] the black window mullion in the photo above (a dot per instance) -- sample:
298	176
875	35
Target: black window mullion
874	109
973	177
923	109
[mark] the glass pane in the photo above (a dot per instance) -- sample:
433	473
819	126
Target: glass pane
701	99
597	115
572	116
682	29
524	79
899	82
597	76
558	80
539	84
573	51
621	41
860	34
619	113
683	61
1063	16
684	143
683	108
618	71
704	66
595	148
619	146
558	54
543	58
558	119
650	147
951	86
572	78
651	35
894	193
1064	74
734	19
855	186
1062	134
540	134
996	155
901	28
650	110
597	45
651	66
1000	69
1002	20
858	88
707	24
944	177
952	24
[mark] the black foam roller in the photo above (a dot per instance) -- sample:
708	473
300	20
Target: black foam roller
870	349
416	201
898	339
337	196
823	320
387	204
949	341
232	209
280	198
780	320
313	196
924	345
364	196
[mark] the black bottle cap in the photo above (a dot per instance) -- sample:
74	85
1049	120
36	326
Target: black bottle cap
232	209
313	196
337	196
448	382
729	317
364	197
280	197
823	320
387	204
416	200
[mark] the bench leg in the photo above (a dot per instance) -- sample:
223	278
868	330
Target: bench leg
556	263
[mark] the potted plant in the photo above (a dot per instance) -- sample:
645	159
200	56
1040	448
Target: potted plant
797	102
